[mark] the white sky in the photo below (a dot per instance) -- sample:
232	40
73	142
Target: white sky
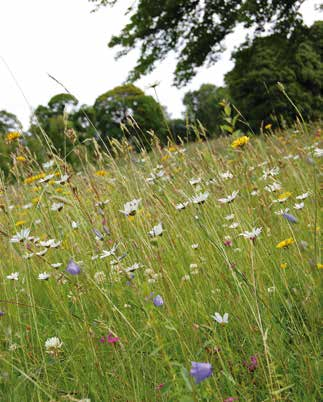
63	38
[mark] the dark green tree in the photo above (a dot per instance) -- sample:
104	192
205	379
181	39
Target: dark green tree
203	105
127	111
195	29
296	62
9	122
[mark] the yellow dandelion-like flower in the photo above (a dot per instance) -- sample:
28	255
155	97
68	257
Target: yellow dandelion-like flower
59	190
268	126
36	189
165	157
319	265
14	135
284	196
20	223
240	142
171	149
131	218
35	200
283	265
285	243
21	158
101	173
32	179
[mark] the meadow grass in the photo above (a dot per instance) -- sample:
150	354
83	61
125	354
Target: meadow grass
116	343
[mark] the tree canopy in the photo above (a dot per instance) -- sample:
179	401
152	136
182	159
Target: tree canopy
195	29
296	62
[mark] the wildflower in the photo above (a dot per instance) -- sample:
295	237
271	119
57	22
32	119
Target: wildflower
318	152
57	206
270	173
56	264
20	236
271	188
299	205
226	175
195	181
53	345
267	127
98	234
101	173
319	265
201	371
20	223
254	364
200	198
44	276
14	276
181	205
284	196
112	339
255	193
21	158
62	180
156	230
234	225
194	246
229	198
48	164
251	235
303	196
291	218
283	265
130	208
75	225
108	253
12	136
285	243
73	268
2	313
227	241
46	178
282	211
158	301
221	320
240	142
133	267
229	217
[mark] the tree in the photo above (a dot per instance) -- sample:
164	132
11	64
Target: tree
127	106
296	62
195	29
203	105
9	122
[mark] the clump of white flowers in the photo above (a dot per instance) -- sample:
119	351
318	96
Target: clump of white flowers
53	346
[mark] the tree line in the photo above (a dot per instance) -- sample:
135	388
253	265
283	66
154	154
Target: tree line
293	60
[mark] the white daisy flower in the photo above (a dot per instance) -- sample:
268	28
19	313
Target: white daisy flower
156	230
299	205
108	253
13	277
195	181
200	198
63	179
48	164
275	186
75	225
226	175
57	206
130	208
182	205
20	236
229	198
221	320
229	217
303	196
133	267
43	276
255	232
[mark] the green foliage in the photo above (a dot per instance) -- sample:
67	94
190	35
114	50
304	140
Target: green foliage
9	122
196	29
296	62
204	105
127	111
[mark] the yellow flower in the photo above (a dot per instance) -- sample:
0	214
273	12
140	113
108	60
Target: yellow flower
240	142
319	265
21	159
14	135
20	223
31	179
285	243
101	173
131	218
283	265
165	157
36	189
284	196
172	149
35	200
268	126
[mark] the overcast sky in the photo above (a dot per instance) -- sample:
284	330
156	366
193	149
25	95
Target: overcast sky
63	38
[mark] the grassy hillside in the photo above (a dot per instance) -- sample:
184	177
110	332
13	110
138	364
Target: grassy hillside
131	307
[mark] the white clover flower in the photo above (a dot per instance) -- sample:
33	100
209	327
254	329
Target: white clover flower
221	320
229	198
131	207
156	230
13	277
43	276
53	345
200	198
255	232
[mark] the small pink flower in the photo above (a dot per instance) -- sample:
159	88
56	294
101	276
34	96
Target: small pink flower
160	386
112	339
